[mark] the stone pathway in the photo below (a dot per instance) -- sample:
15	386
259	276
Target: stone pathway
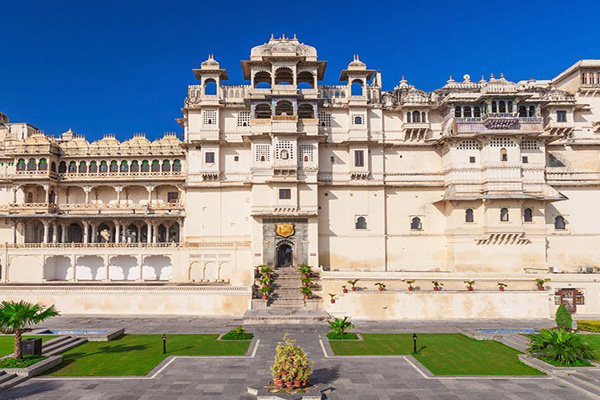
364	378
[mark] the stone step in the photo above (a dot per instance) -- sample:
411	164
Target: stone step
13	381
282	316
67	345
56	343
4	377
575	380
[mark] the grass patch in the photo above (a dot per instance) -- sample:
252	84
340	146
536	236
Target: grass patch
345	336
25	362
7	343
138	354
237	336
443	354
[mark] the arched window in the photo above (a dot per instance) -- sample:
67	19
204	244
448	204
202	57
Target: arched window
504	215
510	106
415	224
103	167
31	165
469	215
62	167
408	117
262	80
93	167
559	223
503	154
166	166
43	165
21	166
306	110
305	80
416	116
176	165
82	167
476	112
501	106
358	120
468	112
361	223
145	166
29	198
522	111
528	215
284	107
494	107
155	166
284	76
135	166
53	166
262	110
423	117
114	167
284	155
532	111
457	111
73	167
124	166
210	87
356	88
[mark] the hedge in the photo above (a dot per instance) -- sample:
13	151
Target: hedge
590	326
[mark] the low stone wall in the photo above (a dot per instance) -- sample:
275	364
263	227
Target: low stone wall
422	305
136	300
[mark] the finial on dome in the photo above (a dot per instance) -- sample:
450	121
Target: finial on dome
501	75
283	36
295	38
450	80
272	36
492	76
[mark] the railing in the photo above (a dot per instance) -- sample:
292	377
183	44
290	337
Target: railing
118	174
93	206
87	245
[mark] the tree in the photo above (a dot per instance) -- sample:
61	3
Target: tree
563	318
339	325
16	317
566	348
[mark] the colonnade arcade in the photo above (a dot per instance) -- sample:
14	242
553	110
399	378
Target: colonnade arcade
103	230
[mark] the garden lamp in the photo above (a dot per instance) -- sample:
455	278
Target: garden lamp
414	343
164	338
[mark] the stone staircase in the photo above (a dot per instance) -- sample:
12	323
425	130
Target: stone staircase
587	381
9	380
286	291
516	341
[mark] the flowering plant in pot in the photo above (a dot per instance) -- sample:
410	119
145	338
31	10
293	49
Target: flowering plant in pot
437	285
332	295
501	286
265	292
541	282
344	289
410	282
258	268
307	292
353	283
305	270
266	271
265	280
381	286
291	367
470	285
306	282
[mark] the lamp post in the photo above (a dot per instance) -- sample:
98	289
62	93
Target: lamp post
414	343
164	338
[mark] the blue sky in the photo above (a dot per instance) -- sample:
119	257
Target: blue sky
122	66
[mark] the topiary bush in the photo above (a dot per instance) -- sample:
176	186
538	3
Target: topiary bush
563	318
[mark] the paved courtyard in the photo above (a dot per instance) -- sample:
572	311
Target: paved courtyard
361	378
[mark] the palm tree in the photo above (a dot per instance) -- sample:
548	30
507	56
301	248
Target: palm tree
339	325
16	317
566	348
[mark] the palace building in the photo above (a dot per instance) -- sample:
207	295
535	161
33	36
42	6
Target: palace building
487	180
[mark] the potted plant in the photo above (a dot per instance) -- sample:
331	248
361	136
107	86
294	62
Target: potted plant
410	282
265	280
306	291
266	271
332	298
306	282
501	286
470	285
437	285
305	270
344	289
265	292
381	286
292	367
353	283
541	282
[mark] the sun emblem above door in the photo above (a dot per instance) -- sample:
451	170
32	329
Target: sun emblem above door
284	230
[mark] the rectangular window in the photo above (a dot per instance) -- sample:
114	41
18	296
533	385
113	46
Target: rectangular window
285	194
243	118
324	119
210	117
210	158
472	160
172	197
561	116
236	158
357	119
359	158
525	159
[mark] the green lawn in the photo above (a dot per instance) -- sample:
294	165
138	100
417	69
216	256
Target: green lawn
138	354
444	354
594	339
7	343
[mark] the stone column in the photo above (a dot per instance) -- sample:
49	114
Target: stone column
117	232
154	233
15	189
87	190
47	189
93	232
64	233
181	231
86	229
167	234
55	233
148	232
118	189
46	231
150	190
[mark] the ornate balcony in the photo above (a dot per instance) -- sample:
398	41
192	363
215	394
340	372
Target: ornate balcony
500	120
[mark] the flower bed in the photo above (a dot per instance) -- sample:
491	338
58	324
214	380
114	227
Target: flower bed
24	362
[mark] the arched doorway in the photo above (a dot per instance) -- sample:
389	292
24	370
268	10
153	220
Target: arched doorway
285	255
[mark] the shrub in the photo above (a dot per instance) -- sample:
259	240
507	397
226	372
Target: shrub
291	362
24	362
339	325
565	348
563	318
238	333
345	336
588	326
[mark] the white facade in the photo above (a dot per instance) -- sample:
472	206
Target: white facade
494	181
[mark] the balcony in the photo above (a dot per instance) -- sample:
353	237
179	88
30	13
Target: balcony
92	208
501	121
415	130
559	128
76	176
